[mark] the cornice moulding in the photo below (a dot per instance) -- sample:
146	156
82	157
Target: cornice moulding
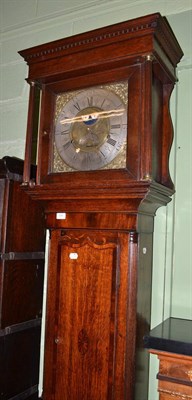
152	25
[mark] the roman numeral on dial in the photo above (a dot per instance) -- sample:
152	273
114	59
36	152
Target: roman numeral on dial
67	145
64	132
111	141
77	106
115	126
90	101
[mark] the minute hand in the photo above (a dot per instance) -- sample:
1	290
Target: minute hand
95	115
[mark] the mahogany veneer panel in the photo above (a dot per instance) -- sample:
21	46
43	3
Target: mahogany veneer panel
174	376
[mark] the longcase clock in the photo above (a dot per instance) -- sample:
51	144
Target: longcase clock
102	153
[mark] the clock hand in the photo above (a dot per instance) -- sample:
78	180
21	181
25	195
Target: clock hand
87	118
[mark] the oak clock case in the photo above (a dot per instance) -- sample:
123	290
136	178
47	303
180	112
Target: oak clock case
105	135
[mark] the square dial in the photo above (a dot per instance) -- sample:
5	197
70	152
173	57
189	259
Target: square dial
90	131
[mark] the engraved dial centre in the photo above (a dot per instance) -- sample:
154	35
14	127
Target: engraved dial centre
90	130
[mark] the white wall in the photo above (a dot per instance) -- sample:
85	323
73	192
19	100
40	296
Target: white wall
25	23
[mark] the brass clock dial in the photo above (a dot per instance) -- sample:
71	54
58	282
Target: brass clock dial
91	128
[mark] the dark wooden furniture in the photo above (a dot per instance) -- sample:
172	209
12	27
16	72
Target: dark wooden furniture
21	284
171	341
101	221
